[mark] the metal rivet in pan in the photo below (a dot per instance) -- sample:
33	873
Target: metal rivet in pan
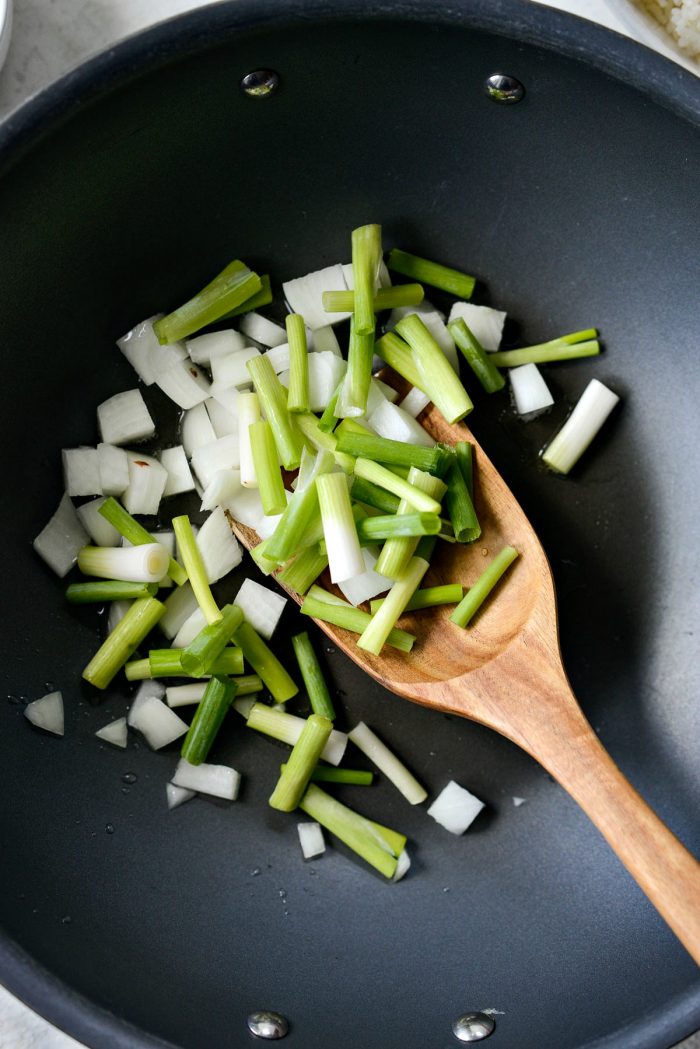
472	1027
260	83
503	88
269	1025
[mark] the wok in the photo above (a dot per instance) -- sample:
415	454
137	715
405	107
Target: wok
122	189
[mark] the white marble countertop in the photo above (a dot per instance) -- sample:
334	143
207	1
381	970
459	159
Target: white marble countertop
49	37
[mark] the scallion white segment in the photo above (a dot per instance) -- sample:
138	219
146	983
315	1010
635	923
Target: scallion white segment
304	295
221	454
403	865
231	370
81	471
530	392
594	406
342	545
177	795
261	607
157	723
288	727
415	402
434	322
485	323
115	733
145	691
311	840
138	346
185	695
62	539
196	429
222	487
218	546
367	584
113	466
262	330
206	348
147	563
179	606
147	480
98	528
47	713
455	808
365	739
179	474
390	421
224	421
125	418
218	780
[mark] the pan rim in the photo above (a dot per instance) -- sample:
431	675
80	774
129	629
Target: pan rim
658	78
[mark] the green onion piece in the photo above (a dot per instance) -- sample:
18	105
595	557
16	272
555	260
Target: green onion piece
138	670
566	348
354	620
267	565
312	675
167	662
398	551
194	565
265	663
433	273
375	635
460	507
426	547
399	356
323	442
109	590
394	453
329	774
267	469
208	719
232	287
371	495
438	378
384	298
378	474
477	594
476	356
302	761
273	400
328	420
319	594
298	518
287	728
260	298
247	684
298	395
120	645
464	453
366	256
428	597
370	529
353	830
137	535
302	572
343	548
395	842
356	383
204	649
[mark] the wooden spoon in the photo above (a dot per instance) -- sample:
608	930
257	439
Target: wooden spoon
505	671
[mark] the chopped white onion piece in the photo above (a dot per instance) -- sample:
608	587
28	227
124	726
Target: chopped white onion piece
262	330
206	348
455	808
164	357
434	322
113	466
261	607
325	372
304	295
47	713
183	383
311	840
593	408
117	611
124	418
222	487
188	631
403	865
388	420
157	723
383	276
246	508
368	584
231	370
179	606
81	471
529	390
147	480
223	420
185	695
324	340
179	474
138	346
364	738
98	528
227	397
115	733
387	392
248	413
178	795
145	691
61	540
268	522
517	802
218	780
221	454
218	546
415	402
196	429
278	356
484	323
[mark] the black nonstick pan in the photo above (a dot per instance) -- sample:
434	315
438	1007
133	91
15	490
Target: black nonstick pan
122	189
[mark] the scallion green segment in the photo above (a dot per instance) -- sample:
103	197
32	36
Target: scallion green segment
366	256
433	273
329	419
312	675
377	632
208	719
265	663
123	641
302	761
299	574
398	550
204	650
318	593
388	526
426	547
260	298
355	389
197	574
321	440
138	670
354	830
354	620
298	518
460	507
267	469
427	597
273	400
566	348
399	356
437	376
232	287
137	535
329	774
167	662
362	444
380	475
477	358
372	495
109	590
477	594
384	298
464	454
267	565
298	394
